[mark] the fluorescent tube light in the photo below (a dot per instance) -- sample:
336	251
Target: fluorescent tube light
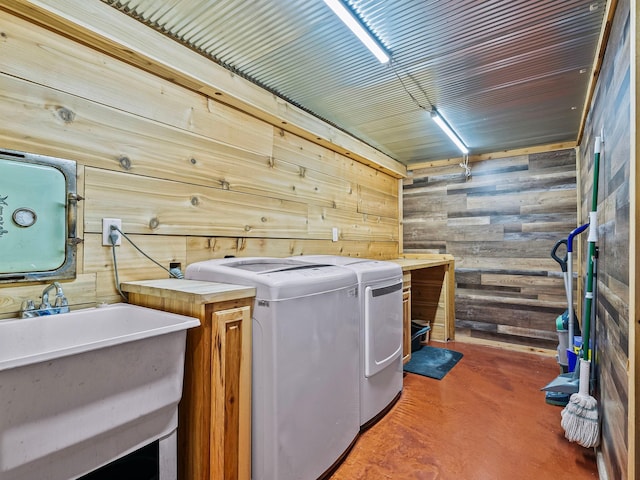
449	131
358	29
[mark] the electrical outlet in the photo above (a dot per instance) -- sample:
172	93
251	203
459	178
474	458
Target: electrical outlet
334	234
106	231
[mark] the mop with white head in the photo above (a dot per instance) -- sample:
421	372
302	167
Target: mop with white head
580	416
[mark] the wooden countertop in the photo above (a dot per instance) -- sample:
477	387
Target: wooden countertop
190	290
416	262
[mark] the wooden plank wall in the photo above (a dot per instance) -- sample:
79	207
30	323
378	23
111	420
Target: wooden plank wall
610	112
500	225
190	178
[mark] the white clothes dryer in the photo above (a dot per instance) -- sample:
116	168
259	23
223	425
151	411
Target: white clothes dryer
380	312
305	409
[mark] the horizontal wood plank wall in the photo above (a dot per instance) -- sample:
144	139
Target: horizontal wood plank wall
190	178
500	225
610	113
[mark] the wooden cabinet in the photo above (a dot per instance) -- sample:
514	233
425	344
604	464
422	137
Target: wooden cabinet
214	424
406	317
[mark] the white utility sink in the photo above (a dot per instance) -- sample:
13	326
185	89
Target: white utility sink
80	389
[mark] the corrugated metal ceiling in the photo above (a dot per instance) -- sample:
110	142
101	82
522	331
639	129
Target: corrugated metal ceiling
505	73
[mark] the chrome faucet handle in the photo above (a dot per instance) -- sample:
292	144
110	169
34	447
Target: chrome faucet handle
61	305
60	300
28	305
27	309
60	294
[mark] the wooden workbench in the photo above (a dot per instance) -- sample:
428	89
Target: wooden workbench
430	280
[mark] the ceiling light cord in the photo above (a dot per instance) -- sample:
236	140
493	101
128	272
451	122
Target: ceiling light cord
435	115
392	64
359	28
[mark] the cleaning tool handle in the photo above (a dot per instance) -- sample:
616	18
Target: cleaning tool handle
588	296
570	298
596	174
588	302
574	233
593	227
585	371
554	254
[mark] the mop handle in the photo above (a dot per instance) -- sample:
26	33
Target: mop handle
596	174
593	237
574	233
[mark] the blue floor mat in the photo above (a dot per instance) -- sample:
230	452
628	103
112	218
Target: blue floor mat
432	362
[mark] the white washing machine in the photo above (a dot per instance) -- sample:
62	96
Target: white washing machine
380	311
305	398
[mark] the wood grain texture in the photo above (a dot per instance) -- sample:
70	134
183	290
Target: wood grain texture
500	225
214	427
610	111
406	317
173	162
231	407
191	178
351	225
190	291
156	150
148	205
103	83
377	203
204	248
294	149
428	296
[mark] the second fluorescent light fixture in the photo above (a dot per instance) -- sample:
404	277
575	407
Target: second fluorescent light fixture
449	131
358	29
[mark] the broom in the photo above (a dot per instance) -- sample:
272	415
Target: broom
580	416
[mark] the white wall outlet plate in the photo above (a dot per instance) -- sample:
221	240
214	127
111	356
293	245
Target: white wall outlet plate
106	231
334	234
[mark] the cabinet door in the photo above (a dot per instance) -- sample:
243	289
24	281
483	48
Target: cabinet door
230	444
406	320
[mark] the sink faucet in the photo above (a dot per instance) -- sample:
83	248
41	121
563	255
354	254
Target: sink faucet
60	303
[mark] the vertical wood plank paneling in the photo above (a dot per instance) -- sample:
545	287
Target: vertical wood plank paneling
500	225
610	113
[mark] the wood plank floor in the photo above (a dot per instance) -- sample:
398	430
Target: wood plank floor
485	420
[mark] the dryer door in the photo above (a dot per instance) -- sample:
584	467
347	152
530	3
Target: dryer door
382	326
